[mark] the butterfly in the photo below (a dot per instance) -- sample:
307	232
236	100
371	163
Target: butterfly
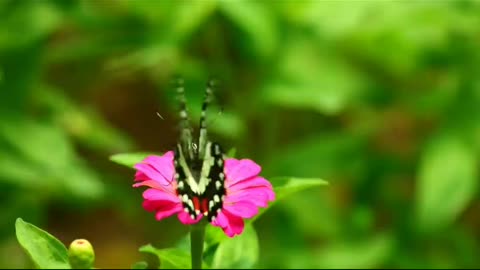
198	162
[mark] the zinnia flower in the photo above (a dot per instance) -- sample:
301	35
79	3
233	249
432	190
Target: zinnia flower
245	192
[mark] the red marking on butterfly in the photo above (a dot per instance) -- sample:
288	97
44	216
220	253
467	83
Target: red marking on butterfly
200	204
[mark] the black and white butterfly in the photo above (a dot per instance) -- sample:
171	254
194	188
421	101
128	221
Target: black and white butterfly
199	163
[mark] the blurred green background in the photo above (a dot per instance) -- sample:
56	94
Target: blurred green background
380	98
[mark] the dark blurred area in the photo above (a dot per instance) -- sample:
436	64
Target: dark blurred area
380	98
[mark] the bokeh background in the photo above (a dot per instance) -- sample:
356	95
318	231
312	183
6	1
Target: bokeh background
380	98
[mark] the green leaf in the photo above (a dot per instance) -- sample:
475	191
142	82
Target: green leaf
240	252
286	186
447	182
46	251
298	85
140	265
83	123
47	160
232	152
256	21
170	258
189	16
370	253
130	159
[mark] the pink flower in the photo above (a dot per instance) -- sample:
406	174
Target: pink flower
245	192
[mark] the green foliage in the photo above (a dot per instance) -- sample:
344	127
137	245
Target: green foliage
170	258
364	254
45	250
139	265
447	182
385	108
287	186
241	252
130	159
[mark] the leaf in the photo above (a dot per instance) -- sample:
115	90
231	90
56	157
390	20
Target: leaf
47	145
82	181
333	152
298	85
140	265
240	252
170	258
447	182
47	162
370	253
46	251
130	159
256	21
189	16
232	152
286	186
83	123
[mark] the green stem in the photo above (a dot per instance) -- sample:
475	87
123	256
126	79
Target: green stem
197	236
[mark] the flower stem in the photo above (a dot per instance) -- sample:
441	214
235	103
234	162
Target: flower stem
197	236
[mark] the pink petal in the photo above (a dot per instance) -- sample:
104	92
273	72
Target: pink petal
242	209
236	224
220	221
185	218
158	205
149	183
250	182
163	164
140	176
157	168
238	170
229	223
259	196
161	214
160	195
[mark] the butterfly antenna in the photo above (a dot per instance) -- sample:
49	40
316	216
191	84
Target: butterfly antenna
202	139
186	129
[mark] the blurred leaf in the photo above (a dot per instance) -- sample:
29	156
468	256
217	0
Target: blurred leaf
371	253
348	19
324	221
130	159
286	186
46	251
311	78
46	145
190	15
19	70
17	171
232	152
332	154
170	258
229	125
256	20
48	159
84	124
447	181
140	265
214	235
240	252
27	23
80	181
